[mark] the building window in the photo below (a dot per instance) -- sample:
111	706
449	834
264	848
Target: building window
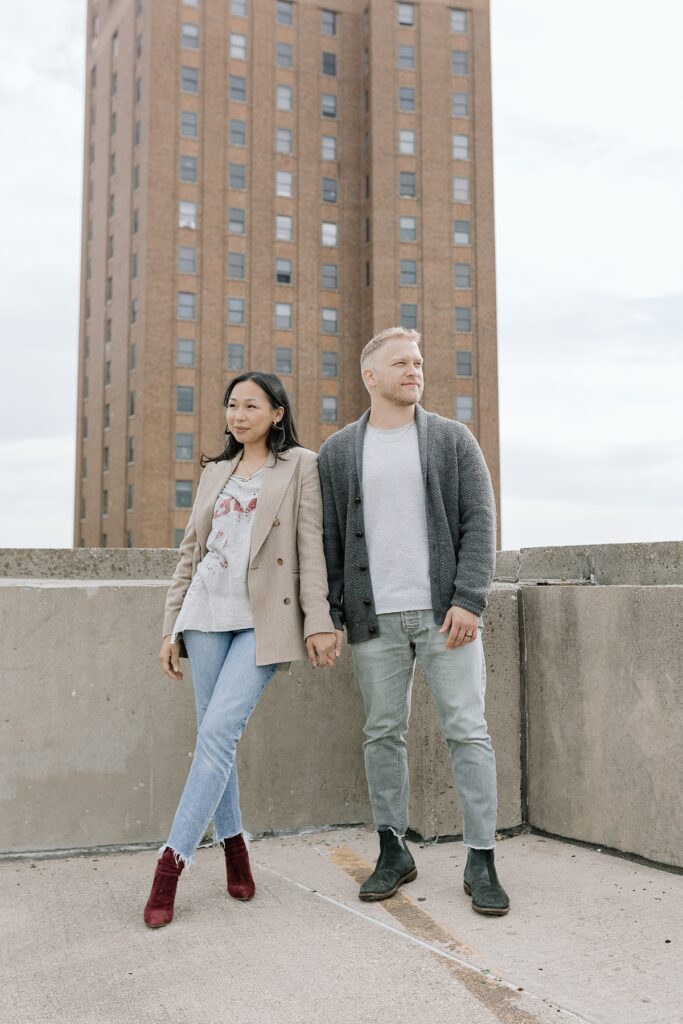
131	403
406	97
462	275
330	277
235	311
461	190
284	55
188	168
189	79
328	366
238	7
458	20
237	133
236	221
112	165
185	309
187	214
183	494
283	271
461	147
329	190
113	123
329	409
108	330
188	124
84	428
328	233
406	14
134	265
406	142
367	229
235	356
465	408
238	46
236	265
461	232
283	360
329	320
178	535
407	229
107	413
137	133
237	176
463	319
407	184
329	64
328	23
133	311
184	351
110	289
107	372
283	183
284	97
460	104
131	449
105	459
105	506
184	447
114	86
459	62
84	468
133	357
328	147
406	58
238	88
409	315
283	140
136	176
463	364
138	90
187	259
408	271
368	273
129	502
283	228
285	12
184	398
283	316
328	104
190	3
190	36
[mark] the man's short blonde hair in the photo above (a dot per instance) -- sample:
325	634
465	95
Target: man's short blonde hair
379	339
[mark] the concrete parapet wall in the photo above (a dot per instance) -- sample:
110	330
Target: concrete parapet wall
95	742
605	697
602	564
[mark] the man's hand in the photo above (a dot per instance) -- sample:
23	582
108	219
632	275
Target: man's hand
321	649
462	627
169	656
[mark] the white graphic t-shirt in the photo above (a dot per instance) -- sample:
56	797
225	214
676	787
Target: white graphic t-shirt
217	599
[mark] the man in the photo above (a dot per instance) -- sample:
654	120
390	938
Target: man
409	534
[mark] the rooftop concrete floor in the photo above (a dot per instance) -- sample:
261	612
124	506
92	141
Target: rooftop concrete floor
590	937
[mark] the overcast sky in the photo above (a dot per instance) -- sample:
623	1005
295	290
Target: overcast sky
589	221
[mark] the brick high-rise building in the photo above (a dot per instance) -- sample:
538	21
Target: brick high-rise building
268	184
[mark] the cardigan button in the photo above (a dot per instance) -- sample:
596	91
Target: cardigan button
359	533
372	630
366	600
288	600
362	568
357	501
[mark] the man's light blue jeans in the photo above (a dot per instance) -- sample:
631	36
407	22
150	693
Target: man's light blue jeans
227	686
384	669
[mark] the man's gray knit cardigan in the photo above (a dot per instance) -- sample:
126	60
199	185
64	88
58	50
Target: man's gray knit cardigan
461	522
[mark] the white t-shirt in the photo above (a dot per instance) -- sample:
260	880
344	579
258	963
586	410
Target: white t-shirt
395	520
217	599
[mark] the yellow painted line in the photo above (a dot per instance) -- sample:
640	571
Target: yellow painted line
499	997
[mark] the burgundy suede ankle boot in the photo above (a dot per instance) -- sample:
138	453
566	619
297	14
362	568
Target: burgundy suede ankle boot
159	909
240	881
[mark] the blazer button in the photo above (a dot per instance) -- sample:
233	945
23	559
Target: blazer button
362	568
366	600
276	522
280	561
288	600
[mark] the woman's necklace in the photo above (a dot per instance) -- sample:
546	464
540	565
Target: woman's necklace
241	465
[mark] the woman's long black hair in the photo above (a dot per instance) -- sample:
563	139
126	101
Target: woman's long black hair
281	437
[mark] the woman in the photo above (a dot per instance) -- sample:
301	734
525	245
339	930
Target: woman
249	592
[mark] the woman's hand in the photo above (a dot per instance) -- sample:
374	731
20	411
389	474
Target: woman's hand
322	649
169	656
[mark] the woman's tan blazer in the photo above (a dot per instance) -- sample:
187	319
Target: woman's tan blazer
287	577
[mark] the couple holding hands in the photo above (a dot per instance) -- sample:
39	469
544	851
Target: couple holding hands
389	533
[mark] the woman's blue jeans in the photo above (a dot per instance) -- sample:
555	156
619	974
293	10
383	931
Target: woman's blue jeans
227	686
